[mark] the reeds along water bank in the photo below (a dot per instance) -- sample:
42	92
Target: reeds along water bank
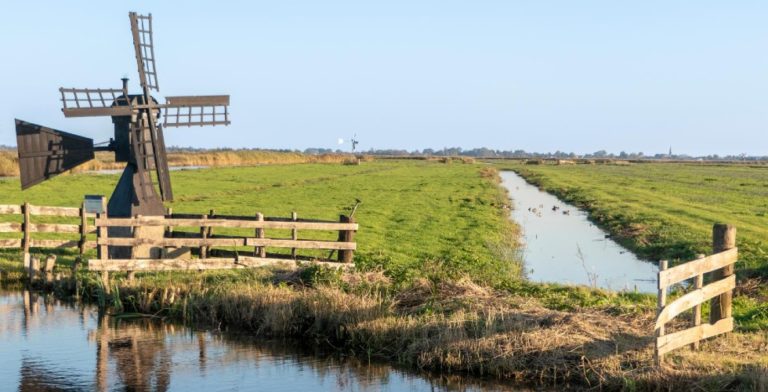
9	161
455	327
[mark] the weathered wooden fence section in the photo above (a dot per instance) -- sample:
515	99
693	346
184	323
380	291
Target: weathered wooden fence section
188	234
27	229
719	291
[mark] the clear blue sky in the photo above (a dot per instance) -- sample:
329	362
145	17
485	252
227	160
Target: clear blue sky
536	75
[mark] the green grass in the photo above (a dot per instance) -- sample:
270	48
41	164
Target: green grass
666	211
412	212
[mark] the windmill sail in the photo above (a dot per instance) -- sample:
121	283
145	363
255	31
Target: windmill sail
143	44
46	152
86	102
196	111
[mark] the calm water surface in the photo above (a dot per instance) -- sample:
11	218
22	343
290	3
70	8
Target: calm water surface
563	246
49	345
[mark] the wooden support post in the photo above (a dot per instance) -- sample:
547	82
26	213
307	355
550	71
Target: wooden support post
83	230
26	240
50	263
168	234
294	233
260	234
723	238
34	269
346	256
204	235
698	282
212	215
103	250
662	301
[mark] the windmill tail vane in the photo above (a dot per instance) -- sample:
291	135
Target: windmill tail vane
138	131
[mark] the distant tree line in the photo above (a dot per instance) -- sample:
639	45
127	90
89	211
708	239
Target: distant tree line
482	152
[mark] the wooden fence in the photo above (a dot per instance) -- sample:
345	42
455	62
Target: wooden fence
719	291
198	233
27	228
184	233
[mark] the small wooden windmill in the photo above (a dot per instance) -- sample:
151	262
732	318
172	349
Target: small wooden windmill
138	132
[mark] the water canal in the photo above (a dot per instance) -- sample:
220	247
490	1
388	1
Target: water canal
561	245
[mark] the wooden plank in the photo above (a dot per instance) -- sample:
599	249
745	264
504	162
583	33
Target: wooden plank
679	339
260	234
10	243
54	243
695	297
174	242
54	211
237	241
53	228
697	267
152	221
294	233
698	282
25	240
10	227
10	209
194	264
300	244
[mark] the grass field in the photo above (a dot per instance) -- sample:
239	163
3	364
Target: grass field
666	211
412	213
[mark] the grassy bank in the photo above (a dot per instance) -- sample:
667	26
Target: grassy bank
666	211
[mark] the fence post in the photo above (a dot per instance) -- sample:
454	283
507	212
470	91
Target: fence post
103	249
345	256
204	236
260	234
723	238
698	282
212	214
662	301
25	240
294	232
83	234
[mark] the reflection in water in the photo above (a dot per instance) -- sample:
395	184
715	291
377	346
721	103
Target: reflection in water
563	246
48	345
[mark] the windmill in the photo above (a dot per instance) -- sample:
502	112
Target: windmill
354	142
138	134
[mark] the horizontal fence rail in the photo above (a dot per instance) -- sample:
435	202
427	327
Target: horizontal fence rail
210	237
719	291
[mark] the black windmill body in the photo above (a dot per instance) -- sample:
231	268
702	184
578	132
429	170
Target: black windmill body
138	134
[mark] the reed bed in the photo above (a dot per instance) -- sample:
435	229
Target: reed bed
453	327
9	162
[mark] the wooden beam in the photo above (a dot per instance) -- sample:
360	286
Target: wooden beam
300	244
153	221
10	243
194	264
54	228
173	242
698	267
55	211
689	300
54	243
10	227
667	343
10	209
